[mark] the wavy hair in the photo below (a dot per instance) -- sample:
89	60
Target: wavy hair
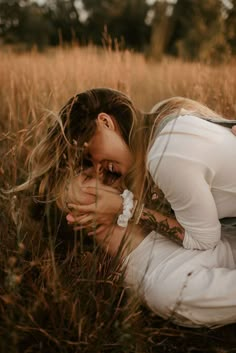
58	153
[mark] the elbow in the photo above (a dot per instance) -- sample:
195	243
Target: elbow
201	241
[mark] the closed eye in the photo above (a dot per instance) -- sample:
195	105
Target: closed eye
86	163
83	165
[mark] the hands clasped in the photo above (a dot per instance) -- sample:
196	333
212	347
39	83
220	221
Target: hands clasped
92	205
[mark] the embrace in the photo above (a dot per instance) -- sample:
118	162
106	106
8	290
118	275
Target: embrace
158	187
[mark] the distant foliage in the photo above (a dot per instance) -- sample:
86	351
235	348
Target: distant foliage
123	19
193	30
202	31
230	27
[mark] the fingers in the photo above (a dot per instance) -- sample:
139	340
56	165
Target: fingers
98	231
70	218
91	190
94	190
87	222
83	220
82	208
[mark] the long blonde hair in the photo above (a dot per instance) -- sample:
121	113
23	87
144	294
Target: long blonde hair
59	148
60	138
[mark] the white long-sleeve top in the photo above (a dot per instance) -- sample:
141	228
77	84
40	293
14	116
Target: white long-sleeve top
193	161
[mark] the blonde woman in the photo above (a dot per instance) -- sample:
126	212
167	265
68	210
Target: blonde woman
175	148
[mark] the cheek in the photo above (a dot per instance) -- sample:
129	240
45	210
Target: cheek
129	157
124	150
126	163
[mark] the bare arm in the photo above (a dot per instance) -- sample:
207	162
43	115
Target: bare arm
165	225
108	234
126	240
120	240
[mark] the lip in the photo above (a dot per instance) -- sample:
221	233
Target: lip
111	166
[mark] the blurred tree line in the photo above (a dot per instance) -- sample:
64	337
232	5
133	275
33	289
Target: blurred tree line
191	29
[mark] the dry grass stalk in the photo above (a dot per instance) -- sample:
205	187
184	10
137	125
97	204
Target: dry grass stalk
53	296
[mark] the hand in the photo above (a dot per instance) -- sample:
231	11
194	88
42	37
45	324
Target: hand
112	239
73	192
115	239
91	202
76	193
106	204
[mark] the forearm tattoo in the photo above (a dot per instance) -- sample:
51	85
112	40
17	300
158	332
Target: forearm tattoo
149	223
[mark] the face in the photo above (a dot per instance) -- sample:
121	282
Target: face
107	149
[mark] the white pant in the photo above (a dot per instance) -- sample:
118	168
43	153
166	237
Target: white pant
190	287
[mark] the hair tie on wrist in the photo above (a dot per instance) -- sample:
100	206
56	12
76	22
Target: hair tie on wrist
128	208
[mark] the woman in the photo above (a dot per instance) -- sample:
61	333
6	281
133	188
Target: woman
189	158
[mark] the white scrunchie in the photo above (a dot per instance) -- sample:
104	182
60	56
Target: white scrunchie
128	205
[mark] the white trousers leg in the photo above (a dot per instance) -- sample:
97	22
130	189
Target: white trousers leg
190	287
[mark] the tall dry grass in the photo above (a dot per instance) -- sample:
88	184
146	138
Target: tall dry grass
31	82
58	292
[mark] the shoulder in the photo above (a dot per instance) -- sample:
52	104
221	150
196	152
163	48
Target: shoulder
186	142
193	125
187	136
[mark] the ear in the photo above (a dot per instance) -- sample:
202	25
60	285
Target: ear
105	120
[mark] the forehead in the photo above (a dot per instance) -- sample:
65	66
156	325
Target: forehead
92	153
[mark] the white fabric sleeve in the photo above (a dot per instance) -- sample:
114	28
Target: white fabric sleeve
185	186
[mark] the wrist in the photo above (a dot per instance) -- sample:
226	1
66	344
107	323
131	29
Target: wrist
128	206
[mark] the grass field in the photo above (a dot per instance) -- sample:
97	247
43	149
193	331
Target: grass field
58	292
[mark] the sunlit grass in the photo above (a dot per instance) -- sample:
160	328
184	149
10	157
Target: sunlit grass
31	82
58	292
